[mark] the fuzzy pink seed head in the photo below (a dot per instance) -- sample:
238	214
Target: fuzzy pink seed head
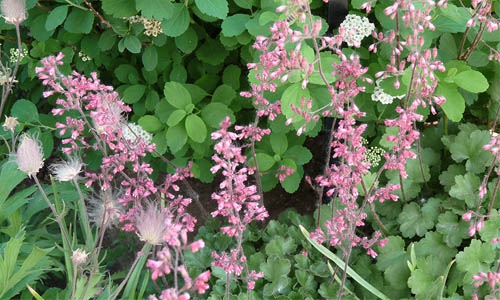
67	170
29	155
150	224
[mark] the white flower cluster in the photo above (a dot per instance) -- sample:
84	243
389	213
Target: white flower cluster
84	56
356	28
381	96
14	54
152	27
132	131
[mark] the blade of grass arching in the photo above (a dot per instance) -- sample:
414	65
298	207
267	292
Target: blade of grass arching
339	281
34	293
445	277
144	284
355	276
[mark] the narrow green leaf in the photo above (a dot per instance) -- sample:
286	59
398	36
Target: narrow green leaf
341	265
176	117
176	138
150	58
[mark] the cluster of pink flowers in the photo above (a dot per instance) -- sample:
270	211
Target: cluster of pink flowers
237	200
101	125
493	280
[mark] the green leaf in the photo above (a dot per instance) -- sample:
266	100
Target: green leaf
451	19
292	182
150	123
178	23
214	8
133	93
177	95
425	279
292	95
414	221
132	43
433	244
246	4
79	21
25	111
176	138
453	229
196	92
37	29
478	257
279	143
392	261
196	128
176	117
472	81
275	268
280	246
469	146
447	178
234	25
265	161
154	9
231	76
341	264
214	113
188	41
150	58
491	229
300	154
212	52
119	8
465	188
56	17
224	94
454	106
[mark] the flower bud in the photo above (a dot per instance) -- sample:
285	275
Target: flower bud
14	11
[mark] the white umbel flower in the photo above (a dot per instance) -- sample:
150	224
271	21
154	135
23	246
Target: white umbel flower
67	170
29	155
356	28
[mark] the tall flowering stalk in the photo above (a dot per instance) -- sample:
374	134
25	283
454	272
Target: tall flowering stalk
100	125
237	201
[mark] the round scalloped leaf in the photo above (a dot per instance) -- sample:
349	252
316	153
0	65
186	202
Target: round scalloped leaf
265	161
454	106
472	81
214	8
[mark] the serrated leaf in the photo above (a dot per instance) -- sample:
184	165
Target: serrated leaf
453	229
150	58
275	268
476	258
414	221
447	178
392	261
196	128
472	81
177	95
56	17
150	123
133	93
176	117
79	21
433	244
491	229
466	188
155	9
280	246
176	138
470	146
424	280
214	8
178	23
214	113
234	25
454	106
187	41
279	143
265	161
